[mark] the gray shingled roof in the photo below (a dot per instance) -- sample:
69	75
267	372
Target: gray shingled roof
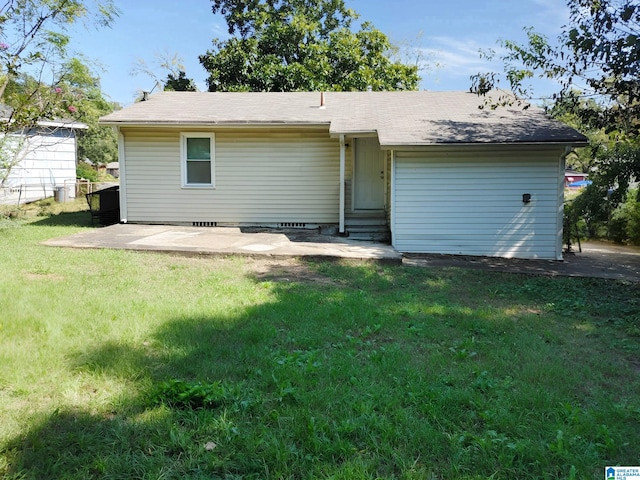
399	118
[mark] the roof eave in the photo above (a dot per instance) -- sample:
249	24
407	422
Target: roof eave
421	146
73	125
201	124
353	133
70	124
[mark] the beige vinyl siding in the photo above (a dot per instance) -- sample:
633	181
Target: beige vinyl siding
471	204
262	176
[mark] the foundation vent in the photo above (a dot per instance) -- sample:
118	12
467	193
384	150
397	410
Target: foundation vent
204	224
292	225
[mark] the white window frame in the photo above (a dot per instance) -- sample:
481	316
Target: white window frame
183	158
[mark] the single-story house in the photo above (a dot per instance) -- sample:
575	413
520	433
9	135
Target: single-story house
45	160
432	169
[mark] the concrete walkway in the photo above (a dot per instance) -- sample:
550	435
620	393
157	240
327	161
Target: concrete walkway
598	260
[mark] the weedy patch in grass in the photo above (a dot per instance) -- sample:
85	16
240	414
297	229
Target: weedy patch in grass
182	394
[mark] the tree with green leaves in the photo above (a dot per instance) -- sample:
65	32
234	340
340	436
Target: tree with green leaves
82	89
36	74
301	45
179	83
34	44
595	61
597	56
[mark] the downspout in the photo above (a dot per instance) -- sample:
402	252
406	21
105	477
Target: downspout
560	221
75	146
343	155
123	176
392	195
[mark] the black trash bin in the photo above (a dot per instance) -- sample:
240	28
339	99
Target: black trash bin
105	205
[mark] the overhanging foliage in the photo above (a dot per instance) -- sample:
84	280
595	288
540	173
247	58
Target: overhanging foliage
297	45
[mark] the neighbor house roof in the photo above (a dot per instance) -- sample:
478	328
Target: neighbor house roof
6	111
400	119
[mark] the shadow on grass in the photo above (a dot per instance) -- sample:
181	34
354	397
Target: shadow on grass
136	438
66	219
352	379
269	360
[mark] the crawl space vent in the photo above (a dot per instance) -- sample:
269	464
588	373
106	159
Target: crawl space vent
204	224
293	225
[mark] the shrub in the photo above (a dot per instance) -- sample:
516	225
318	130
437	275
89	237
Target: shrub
84	170
633	227
574	228
10	212
632	211
593	207
624	226
617	226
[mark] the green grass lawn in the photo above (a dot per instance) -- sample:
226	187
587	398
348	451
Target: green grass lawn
119	364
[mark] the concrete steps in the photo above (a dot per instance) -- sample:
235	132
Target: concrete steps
368	226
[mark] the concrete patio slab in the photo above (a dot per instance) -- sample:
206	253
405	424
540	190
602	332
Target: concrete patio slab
596	260
227	241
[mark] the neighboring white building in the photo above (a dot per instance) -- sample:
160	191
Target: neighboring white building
433	170
47	161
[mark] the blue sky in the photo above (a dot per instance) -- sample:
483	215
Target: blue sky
447	34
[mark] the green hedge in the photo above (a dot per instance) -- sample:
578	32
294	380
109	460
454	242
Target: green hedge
86	171
624	226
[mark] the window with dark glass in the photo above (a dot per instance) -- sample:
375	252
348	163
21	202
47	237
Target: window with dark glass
197	154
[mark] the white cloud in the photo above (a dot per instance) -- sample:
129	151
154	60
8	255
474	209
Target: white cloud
460	57
453	61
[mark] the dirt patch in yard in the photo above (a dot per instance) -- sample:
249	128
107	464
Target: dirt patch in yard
285	270
596	260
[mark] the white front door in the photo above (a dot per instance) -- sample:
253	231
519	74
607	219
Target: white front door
368	175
